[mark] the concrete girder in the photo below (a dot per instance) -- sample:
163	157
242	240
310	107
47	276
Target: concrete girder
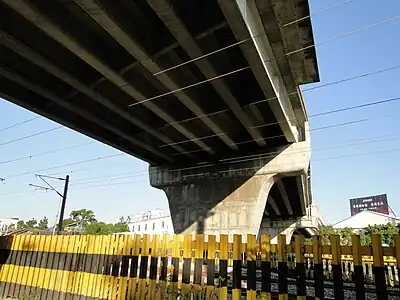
301	190
107	22
73	108
271	201
282	190
37	18
167	14
173	46
48	66
245	22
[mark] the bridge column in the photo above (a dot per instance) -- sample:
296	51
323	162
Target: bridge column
212	206
228	197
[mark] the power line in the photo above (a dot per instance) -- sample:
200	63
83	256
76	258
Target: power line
269	60
218	112
265	156
44	153
115	155
272	154
364	141
356	107
32	135
317	13
384	101
332	83
245	40
112	176
294	93
18	124
85	169
238	169
66	165
278	136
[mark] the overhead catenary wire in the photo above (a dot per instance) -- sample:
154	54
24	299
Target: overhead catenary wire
254	156
120	154
364	75
19	124
367	74
200	165
246	40
65	165
269	137
329	8
368	104
44	153
237	169
269	60
31	135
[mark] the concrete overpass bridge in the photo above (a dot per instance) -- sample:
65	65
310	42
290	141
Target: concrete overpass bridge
206	91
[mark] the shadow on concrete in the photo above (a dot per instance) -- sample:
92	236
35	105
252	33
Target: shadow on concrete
194	194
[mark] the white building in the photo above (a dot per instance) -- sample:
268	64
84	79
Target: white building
151	222
5	224
364	219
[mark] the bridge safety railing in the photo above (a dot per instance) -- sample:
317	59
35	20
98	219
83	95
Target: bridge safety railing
195	267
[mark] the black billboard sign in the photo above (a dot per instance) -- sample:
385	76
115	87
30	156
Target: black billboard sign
377	203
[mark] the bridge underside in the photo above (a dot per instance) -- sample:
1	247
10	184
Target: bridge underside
92	65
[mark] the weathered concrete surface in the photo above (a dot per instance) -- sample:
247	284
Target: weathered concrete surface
228	197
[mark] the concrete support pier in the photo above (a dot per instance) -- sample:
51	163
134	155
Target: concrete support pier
231	196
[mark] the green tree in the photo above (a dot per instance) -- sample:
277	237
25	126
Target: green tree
325	232
43	224
82	217
31	224
21	224
345	236
387	232
98	228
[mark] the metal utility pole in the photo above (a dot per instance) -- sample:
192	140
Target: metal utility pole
64	200
63	195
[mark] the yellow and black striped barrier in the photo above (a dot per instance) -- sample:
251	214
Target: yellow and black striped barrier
156	267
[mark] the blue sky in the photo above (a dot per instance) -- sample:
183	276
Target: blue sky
104	185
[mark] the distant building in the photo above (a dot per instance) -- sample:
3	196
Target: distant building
5	224
151	222
366	218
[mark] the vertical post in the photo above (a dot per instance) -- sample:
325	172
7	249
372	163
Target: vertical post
64	199
237	267
378	268
337	267
300	269
266	267
282	268
318	268
358	277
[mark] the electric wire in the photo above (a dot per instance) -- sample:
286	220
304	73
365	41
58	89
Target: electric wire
245	40
120	154
317	13
293	93
31	135
368	104
226	110
237	169
43	153
380	139
19	124
269	60
65	165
